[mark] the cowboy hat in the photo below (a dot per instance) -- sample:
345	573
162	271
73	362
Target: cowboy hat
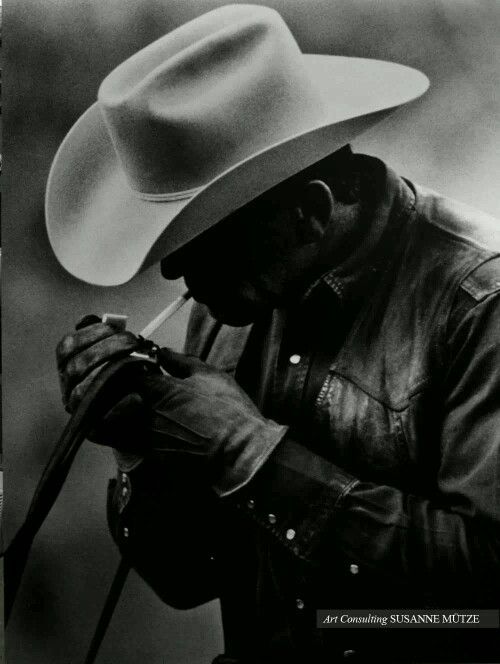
196	125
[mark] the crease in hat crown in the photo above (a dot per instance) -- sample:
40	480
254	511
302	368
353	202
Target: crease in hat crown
205	97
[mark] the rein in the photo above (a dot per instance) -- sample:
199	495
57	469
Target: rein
115	381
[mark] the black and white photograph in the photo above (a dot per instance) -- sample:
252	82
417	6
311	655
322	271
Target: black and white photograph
250	331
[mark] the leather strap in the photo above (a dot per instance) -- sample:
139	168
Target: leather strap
109	386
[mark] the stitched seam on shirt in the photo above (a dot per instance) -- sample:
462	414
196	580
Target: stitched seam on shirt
399	406
354	482
444	324
478	294
323	392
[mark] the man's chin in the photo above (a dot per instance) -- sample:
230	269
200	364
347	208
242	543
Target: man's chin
233	319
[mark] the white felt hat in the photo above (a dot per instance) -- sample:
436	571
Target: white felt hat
196	125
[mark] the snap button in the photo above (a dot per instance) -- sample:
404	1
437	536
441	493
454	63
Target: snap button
354	569
299	603
349	653
251	504
123	492
271	518
294	359
125	532
290	534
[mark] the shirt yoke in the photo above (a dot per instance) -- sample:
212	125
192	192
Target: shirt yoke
484	280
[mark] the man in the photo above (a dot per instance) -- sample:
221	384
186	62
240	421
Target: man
331	438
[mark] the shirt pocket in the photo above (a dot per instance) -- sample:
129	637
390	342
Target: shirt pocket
361	433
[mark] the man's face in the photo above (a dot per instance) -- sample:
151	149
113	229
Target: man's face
249	263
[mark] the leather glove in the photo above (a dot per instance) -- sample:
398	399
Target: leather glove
201	411
197	411
80	356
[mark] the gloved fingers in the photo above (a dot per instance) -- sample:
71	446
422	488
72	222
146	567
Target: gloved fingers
180	365
157	388
179	449
114	347
88	319
124	427
75	342
176	442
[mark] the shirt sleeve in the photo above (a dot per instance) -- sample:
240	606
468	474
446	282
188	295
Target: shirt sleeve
168	530
316	509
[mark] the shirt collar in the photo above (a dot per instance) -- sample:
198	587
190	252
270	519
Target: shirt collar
392	207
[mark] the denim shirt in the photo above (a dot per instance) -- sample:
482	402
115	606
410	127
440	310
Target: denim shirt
386	492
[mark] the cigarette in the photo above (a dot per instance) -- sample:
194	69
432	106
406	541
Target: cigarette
119	321
164	315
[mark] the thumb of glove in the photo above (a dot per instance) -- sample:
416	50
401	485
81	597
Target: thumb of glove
124	427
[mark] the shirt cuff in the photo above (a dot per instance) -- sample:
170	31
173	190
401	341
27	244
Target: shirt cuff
295	497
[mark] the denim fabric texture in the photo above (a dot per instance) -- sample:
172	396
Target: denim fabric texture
386	490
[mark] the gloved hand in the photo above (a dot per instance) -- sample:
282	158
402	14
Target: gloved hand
80	356
195	411
201	411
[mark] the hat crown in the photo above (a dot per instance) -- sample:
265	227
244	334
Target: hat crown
205	97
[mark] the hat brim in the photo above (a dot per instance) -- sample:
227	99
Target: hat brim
104	234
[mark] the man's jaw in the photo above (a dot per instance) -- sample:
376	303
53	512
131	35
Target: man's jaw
237	310
237	313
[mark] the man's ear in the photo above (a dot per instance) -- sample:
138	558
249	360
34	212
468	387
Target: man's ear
316	206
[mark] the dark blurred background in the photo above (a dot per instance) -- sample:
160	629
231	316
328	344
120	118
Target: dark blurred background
56	54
